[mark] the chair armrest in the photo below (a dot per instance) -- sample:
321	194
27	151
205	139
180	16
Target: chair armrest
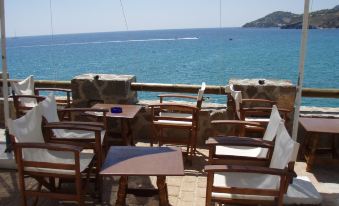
246	169
50	146
174	105
83	110
37	97
263	109
176	96
73	126
94	124
258	101
239	141
235	122
53	89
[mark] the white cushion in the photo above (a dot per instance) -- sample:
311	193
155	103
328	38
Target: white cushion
302	192
172	122
257	119
25	87
241	151
59	157
244	180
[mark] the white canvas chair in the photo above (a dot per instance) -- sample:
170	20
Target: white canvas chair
71	135
249	185
44	162
244	150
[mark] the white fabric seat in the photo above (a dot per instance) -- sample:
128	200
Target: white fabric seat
240	180
169	122
243	151
302	192
257	119
175	114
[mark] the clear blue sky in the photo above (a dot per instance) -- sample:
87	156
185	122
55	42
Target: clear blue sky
32	17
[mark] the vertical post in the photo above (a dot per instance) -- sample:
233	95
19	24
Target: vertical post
301	69
4	68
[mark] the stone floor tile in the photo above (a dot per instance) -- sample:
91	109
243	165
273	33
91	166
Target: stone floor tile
186	196
173	190
189	186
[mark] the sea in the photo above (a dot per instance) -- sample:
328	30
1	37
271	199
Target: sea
182	56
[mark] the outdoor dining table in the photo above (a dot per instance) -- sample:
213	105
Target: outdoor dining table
314	127
127	161
126	114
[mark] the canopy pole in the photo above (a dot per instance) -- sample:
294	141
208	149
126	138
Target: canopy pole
4	71
301	69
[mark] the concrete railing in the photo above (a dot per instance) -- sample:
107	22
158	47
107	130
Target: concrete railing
188	88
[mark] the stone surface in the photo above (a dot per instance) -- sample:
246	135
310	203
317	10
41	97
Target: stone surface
107	88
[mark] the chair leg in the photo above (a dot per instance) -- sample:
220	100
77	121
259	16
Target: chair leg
79	193
22	189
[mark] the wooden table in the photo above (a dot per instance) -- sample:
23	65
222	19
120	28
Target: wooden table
127	161
128	113
315	127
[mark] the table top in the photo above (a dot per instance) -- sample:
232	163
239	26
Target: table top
320	125
128	111
143	161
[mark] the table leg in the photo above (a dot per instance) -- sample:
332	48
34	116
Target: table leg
311	158
162	187
123	184
124	131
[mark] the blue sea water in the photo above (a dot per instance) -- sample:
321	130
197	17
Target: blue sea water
182	56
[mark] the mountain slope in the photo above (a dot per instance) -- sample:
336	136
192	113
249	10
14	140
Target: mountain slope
326	18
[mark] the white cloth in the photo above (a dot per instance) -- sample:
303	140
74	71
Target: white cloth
25	87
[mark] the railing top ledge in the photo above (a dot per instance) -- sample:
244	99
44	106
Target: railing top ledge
184	88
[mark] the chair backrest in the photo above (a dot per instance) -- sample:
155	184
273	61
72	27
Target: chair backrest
285	149
28	129
273	124
237	99
201	94
25	87
49	109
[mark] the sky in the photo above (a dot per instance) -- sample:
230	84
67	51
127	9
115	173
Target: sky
33	17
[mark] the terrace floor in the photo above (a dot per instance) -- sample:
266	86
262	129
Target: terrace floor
187	190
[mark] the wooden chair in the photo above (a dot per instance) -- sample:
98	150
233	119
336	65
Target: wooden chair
244	150
27	88
184	114
252	110
46	162
188	122
248	185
